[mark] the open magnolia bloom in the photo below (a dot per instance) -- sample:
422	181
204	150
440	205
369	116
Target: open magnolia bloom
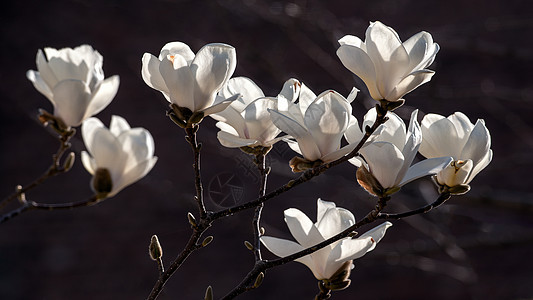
389	68
331	220
73	80
246	122
386	164
119	156
456	136
316	123
191	81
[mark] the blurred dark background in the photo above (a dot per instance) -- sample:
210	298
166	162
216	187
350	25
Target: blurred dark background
477	246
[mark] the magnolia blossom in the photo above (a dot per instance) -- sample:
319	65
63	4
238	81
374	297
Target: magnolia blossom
456	136
247	122
120	154
188	80
389	68
317	123
73	80
331	220
389	158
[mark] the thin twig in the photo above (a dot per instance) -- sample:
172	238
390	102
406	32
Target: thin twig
191	138
199	227
440	200
31	205
261	165
54	169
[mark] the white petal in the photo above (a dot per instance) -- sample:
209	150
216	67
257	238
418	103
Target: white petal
322	207
88	162
305	140
244	86
439	137
231	117
353	133
290	90
281	247
103	95
88	130
480	166
212	66
151	74
44	70
133	175
302	228
409	83
385	161
334	221
410	149
118	125
137	145
179	80
426	167
231	141
71	98
327	119
388	55
478	143
39	84
306	97
177	48
358	62
258	121
220	106
462	124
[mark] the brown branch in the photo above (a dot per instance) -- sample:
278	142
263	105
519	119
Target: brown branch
54	169
31	205
440	200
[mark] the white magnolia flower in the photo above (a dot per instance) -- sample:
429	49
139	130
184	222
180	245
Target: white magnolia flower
317	123
73	80
247	122
456	136
126	153
188	80
389	158
330	221
389	68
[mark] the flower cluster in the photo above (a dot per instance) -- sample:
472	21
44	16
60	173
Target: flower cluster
320	128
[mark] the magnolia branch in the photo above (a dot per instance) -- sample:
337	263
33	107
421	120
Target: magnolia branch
31	205
54	169
206	218
440	200
263	172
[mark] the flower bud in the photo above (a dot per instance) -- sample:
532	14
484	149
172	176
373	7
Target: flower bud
259	279
207	241
102	183
456	173
155	250
69	162
208	293
249	245
368	181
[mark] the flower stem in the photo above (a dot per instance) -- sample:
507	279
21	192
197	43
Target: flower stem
191	138
261	165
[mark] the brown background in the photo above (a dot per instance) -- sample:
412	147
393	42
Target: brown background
478	246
